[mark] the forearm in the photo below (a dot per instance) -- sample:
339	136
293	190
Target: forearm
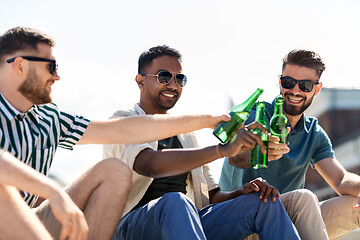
217	196
15	173
171	162
142	129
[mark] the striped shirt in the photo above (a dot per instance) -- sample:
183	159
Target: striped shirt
33	136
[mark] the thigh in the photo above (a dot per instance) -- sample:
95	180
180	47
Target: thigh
109	171
170	217
339	215
303	209
233	219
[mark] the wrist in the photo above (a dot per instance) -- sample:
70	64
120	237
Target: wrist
218	151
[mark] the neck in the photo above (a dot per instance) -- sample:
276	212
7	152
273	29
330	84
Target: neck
293	120
150	110
15	98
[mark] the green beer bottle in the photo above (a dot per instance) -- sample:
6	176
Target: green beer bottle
257	158
225	131
278	121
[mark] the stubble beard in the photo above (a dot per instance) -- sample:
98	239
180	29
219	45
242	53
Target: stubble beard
34	90
294	110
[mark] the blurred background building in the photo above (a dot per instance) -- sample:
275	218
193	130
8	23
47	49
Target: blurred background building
338	112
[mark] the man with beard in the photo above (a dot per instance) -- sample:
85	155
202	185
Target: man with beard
172	187
32	127
309	145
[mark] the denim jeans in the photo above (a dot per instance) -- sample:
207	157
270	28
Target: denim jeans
173	217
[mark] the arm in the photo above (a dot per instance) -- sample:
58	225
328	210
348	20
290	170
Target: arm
15	173
176	161
258	184
342	181
142	129
275	151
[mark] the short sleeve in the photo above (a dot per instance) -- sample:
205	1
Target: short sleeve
323	146
72	127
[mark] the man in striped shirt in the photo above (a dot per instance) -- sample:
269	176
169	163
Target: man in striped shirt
31	129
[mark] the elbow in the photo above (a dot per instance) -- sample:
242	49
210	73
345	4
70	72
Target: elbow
148	170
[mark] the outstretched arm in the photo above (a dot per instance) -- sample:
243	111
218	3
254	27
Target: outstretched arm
142	129
176	161
15	173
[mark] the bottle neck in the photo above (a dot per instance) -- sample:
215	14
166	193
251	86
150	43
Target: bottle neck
279	108
249	103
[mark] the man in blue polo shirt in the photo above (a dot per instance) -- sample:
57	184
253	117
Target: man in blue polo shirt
308	144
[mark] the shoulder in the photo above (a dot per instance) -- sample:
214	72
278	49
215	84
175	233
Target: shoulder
124	113
48	109
312	123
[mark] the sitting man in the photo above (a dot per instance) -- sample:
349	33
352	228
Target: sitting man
171	184
309	146
32	127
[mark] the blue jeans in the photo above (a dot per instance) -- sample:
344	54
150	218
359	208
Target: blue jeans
173	217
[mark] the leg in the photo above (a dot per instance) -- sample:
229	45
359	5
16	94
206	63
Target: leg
304	211
339	215
101	193
170	217
244	215
17	220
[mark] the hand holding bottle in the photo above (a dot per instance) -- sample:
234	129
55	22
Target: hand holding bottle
276	149
245	141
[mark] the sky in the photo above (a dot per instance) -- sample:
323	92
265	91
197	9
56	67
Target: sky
229	48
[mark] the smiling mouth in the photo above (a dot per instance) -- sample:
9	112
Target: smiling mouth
169	95
295	100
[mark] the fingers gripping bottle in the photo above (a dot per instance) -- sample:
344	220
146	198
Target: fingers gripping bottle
278	121
257	158
225	131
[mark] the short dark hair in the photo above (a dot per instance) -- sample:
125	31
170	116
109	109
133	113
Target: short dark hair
305	58
22	38
148	56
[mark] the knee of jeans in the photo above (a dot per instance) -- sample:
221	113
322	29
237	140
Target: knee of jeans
175	198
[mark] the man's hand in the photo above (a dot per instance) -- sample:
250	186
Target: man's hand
275	149
263	186
72	219
245	141
214	121
357	206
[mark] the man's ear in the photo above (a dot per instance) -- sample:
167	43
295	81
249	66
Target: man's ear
140	81
19	66
318	88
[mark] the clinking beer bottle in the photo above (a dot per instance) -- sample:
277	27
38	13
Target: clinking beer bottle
257	158
225	131
278	121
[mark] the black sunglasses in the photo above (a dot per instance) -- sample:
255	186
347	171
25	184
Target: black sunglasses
164	77
52	67
304	85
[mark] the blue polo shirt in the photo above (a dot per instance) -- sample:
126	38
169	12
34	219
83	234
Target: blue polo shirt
308	143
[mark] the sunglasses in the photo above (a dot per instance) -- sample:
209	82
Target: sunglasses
164	77
52	67
304	85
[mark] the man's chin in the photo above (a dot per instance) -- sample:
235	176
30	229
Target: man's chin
43	100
